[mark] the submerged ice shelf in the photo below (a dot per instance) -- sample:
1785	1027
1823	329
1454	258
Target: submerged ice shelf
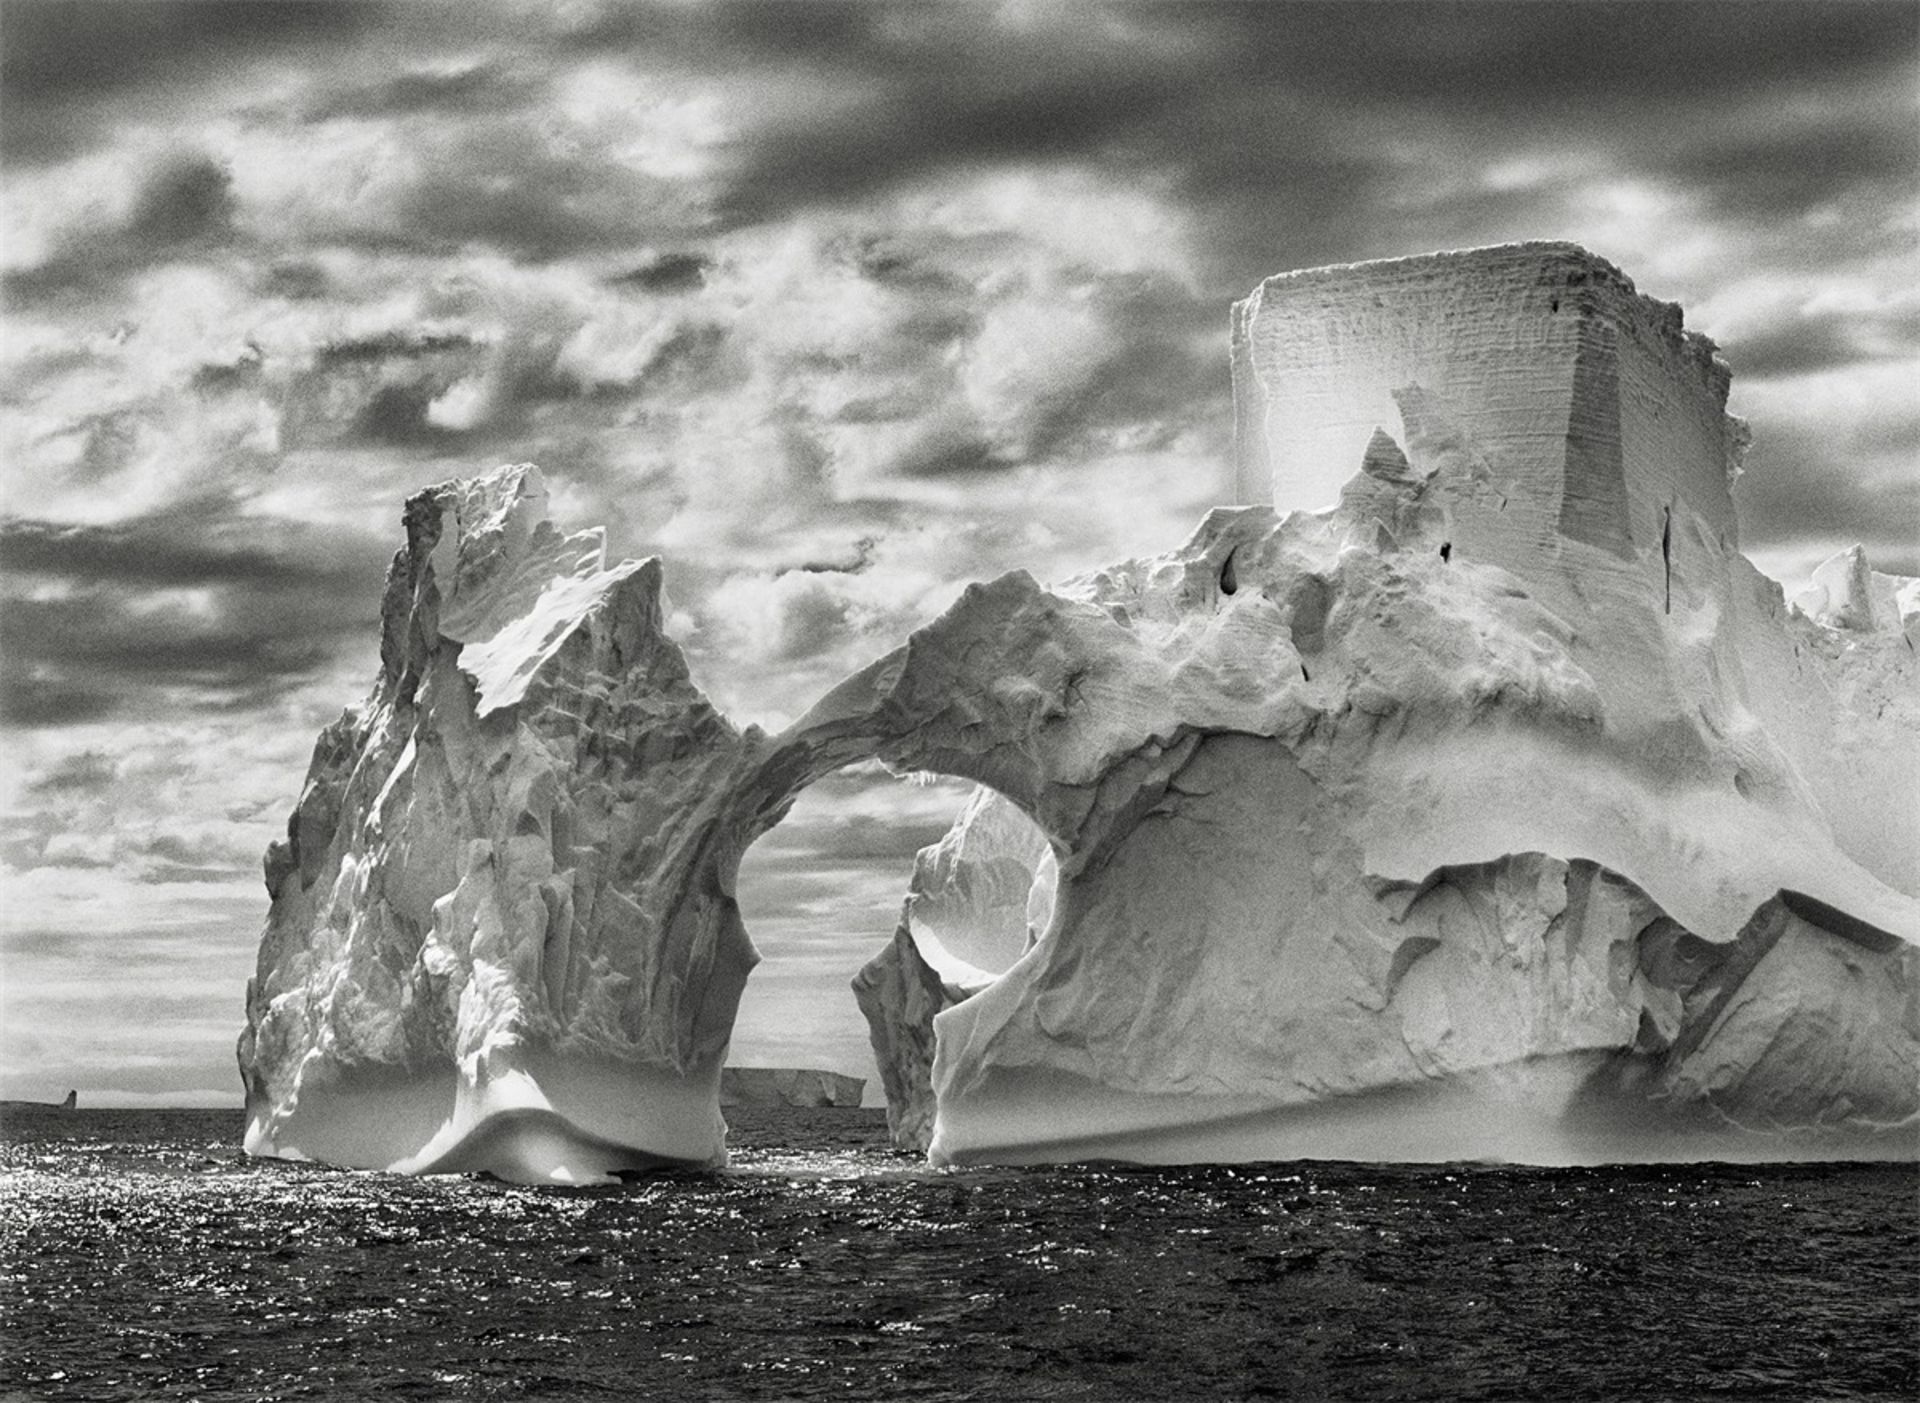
1499	808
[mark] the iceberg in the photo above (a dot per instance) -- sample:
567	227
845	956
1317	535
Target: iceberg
1463	792
788	1086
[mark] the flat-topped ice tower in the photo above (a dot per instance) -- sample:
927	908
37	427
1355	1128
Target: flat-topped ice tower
1540	357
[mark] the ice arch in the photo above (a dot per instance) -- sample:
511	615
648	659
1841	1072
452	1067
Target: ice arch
821	891
504	933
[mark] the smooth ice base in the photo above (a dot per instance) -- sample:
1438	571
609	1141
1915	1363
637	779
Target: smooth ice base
1546	1111
559	1123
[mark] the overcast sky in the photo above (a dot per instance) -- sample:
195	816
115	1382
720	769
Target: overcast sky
835	308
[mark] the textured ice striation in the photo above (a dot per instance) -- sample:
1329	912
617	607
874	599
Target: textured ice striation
1485	803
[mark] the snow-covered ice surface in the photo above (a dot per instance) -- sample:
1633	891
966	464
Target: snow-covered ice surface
1499	808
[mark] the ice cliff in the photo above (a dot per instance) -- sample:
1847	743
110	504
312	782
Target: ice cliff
1488	802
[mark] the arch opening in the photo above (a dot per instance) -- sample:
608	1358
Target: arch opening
819	892
875	902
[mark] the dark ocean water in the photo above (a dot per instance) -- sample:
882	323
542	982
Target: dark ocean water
144	1257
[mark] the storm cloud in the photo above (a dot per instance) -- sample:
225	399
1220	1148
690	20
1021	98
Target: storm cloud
190	607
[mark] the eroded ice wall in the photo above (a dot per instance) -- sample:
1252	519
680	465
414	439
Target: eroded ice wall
1304	940
497	939
1522	635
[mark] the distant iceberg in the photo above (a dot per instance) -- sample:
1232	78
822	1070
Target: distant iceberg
788	1086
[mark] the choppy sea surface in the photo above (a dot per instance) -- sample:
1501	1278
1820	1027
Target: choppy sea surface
144	1257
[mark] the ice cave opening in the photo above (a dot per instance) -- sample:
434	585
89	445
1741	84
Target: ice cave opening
821	890
818	893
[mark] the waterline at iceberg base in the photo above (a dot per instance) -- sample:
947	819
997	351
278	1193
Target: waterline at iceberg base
1499	809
